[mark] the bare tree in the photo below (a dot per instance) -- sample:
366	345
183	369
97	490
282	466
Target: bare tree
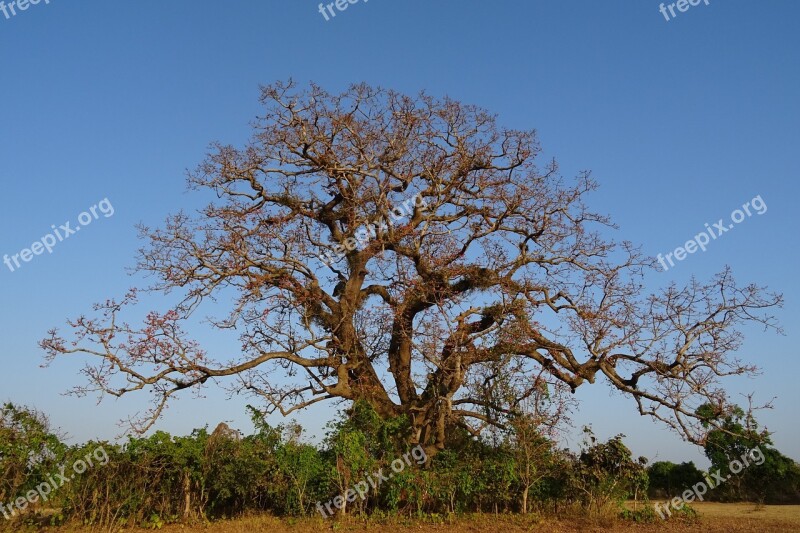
409	252
532	438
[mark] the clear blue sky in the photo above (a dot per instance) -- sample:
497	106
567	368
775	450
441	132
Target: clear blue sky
680	121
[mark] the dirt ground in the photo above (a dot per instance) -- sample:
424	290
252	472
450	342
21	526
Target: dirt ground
714	517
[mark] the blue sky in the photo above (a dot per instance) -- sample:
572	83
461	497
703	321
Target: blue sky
681	122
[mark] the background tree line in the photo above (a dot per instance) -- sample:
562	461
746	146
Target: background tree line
207	475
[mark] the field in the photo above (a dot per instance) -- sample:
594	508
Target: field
714	517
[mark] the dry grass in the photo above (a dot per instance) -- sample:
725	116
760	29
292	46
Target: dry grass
714	517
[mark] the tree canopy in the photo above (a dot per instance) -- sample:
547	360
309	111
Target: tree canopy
411	253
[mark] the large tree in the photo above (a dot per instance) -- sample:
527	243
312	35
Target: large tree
411	253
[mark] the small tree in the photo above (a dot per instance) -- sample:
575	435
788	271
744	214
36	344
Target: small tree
455	478
667	479
533	453
606	472
360	443
351	460
498	476
765	473
302	465
29	450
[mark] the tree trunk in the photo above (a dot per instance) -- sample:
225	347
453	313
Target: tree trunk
525	500
187	496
